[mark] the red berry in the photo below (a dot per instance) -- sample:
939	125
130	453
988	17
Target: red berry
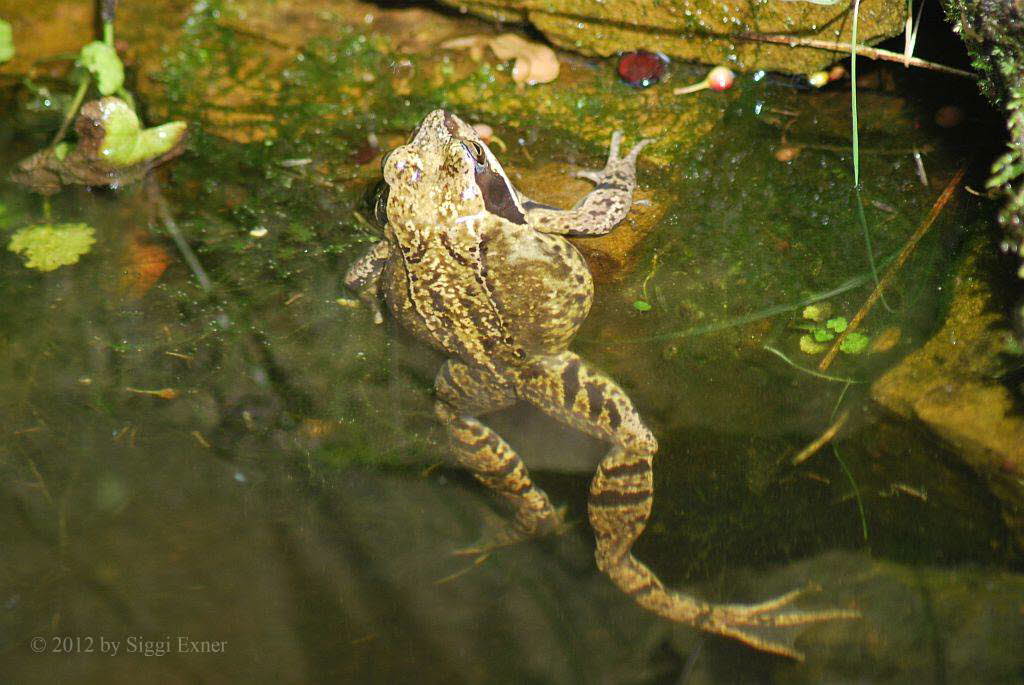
641	69
720	78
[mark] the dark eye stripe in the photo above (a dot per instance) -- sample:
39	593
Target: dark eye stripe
497	196
380	203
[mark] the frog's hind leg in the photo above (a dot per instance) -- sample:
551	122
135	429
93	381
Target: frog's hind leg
621	493
464	393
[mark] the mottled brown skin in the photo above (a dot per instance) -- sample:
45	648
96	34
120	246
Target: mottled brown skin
482	273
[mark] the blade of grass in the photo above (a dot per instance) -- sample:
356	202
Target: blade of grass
853	97
862	220
856	493
810	372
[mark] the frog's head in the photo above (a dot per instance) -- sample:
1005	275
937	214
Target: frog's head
447	172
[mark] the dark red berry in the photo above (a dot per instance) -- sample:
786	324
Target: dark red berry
641	69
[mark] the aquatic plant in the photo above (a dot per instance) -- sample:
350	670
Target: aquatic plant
51	246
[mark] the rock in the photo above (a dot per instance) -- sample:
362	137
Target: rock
698	30
610	256
948	386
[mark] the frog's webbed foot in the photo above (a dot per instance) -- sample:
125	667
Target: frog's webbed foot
758	625
599	176
621	492
463	393
504	533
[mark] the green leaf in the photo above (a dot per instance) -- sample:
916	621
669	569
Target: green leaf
102	61
813	312
854	343
6	41
837	324
126	143
61	150
808	346
50	246
823	335
642	306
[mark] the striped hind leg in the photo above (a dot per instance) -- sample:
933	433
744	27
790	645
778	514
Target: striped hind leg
621	493
463	393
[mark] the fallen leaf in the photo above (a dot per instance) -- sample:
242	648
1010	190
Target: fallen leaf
534	62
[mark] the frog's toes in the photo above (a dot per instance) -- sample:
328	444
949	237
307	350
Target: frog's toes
590	175
613	148
633	153
505	534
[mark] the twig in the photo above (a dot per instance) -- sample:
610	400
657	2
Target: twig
863	50
179	240
822	439
901	258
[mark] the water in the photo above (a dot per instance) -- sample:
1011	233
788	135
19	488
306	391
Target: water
287	511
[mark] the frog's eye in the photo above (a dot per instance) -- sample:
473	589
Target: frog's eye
476	151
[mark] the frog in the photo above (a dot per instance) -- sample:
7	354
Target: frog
474	268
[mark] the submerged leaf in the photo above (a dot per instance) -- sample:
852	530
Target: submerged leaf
49	246
854	343
809	346
823	334
102	62
6	41
112	150
837	324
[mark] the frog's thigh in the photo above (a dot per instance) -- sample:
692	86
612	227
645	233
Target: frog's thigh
621	492
464	392
567	388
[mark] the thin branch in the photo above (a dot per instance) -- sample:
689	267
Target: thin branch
900	260
862	50
822	439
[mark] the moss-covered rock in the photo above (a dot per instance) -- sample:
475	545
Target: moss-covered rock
948	386
994	35
699	30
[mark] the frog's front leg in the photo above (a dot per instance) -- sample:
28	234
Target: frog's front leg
363	277
621	492
464	393
600	210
